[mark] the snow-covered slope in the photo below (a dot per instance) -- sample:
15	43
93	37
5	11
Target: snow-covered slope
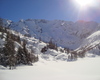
63	33
91	44
83	69
93	39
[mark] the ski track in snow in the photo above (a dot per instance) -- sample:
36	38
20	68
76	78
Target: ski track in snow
82	69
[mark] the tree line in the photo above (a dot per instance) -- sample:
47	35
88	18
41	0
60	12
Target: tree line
9	56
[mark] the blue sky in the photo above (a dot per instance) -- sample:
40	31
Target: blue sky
46	9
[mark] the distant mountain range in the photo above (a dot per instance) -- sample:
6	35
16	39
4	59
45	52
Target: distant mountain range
66	34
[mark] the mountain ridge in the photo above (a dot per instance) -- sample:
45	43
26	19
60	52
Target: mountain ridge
63	33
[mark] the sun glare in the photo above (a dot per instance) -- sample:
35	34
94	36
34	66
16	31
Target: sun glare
84	3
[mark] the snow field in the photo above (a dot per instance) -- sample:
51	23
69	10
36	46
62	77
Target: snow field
83	69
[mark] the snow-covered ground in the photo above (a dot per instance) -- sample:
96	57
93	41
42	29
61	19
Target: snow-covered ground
82	69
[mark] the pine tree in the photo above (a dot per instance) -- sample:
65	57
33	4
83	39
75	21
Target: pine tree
20	56
23	55
51	45
10	52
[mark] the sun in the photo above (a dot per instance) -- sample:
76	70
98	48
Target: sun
84	3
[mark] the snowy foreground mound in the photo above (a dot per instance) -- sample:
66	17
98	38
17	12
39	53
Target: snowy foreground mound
83	69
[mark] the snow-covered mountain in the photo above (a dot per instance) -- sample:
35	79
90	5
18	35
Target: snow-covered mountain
80	36
50	40
63	33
